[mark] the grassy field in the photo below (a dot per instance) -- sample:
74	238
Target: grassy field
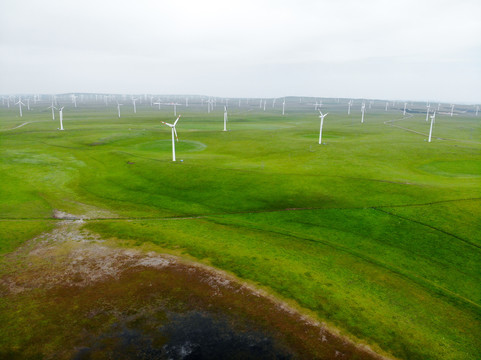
377	232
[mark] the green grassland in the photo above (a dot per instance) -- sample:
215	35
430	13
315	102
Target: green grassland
377	231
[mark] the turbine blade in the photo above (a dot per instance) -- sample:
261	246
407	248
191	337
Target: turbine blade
175	132
176	120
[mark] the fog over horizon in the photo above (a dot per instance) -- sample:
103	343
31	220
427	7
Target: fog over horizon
398	50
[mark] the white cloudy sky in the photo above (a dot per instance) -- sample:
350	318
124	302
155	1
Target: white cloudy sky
410	49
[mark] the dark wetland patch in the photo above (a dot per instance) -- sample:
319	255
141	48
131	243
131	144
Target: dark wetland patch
81	299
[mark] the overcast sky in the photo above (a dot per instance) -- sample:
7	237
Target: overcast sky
410	49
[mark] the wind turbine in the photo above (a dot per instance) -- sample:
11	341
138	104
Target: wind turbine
349	107
283	106
427	112
452	110
60	112
363	108
175	107
53	110
210	106
322	116
186	102
28	104
387	103
404	111
74	100
118	108
273	103
433	117
135	108
172	126
20	103
265	102
477	109
225	118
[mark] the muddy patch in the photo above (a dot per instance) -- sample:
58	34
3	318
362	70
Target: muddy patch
67	295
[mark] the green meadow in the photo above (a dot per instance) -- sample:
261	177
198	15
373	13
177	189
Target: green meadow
376	232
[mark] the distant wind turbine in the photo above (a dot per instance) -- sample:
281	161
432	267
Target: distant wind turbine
363	109
283	106
60	112
53	110
404	111
20	103
135	107
118	109
477	109
322	116
387	104
74	100
452	110
433	117
225	118
349	107
174	133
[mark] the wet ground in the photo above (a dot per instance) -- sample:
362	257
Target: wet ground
68	295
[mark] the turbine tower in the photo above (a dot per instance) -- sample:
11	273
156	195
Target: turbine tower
118	109
60	112
363	109
225	118
135	108
452	110
404	111
53	110
387	103
174	133
74	100
433	117
349	107
322	116
427	112
283	106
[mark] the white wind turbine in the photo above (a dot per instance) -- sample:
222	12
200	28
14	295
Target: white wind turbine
20	103
363	109
283	106
174	133
210	105
118	109
135	107
433	117
349	107
404	111
265	102
477	110
273	103
28	104
225	118
322	116
387	103
53	110
452	110
175	107
74	100
186	102
60	112
427	112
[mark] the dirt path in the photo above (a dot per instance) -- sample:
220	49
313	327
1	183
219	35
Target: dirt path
80	273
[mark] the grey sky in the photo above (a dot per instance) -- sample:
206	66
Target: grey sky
419	50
